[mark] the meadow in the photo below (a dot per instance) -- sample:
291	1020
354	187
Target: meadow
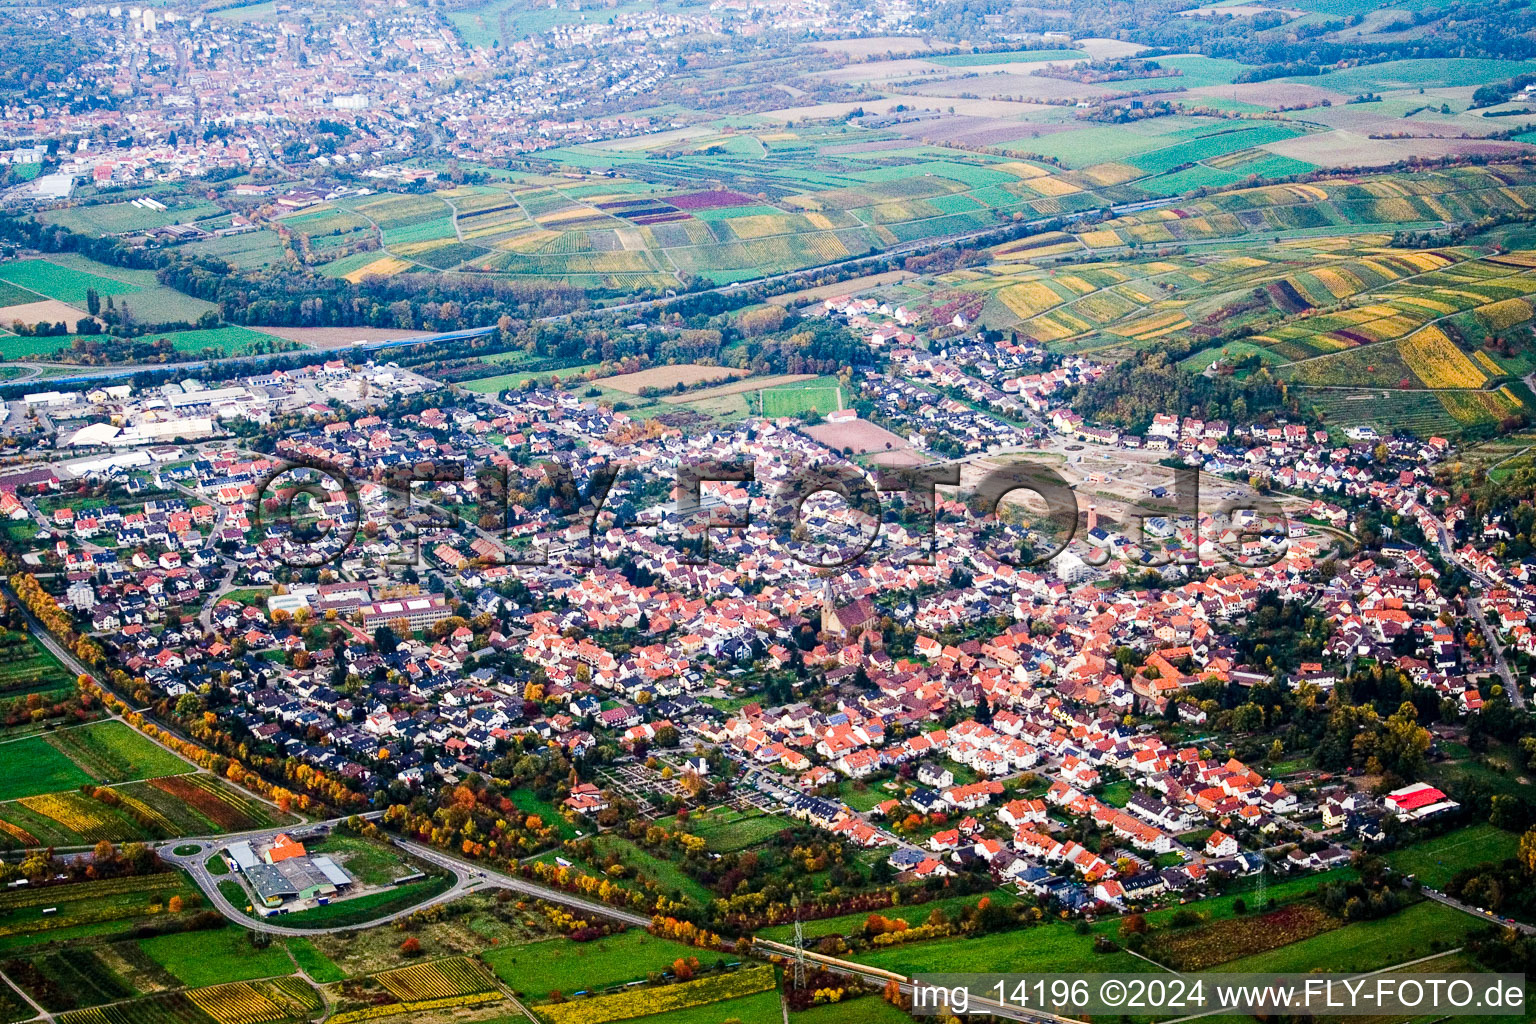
560	965
724	830
1436	861
34	766
212	957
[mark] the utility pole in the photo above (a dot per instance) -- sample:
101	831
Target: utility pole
799	945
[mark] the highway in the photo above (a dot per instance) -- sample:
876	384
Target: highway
255	361
35	369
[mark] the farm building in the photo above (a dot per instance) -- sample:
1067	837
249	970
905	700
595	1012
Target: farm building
242	856
283	848
296	878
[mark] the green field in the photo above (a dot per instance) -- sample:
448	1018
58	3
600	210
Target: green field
212	957
537	969
1436	861
34	766
231	340
494	385
799	399
1420	930
59	282
15	295
114	752
726	830
313	962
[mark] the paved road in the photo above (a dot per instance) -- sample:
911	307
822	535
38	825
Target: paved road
193	864
467	878
1466	908
904	249
1475	606
1500	663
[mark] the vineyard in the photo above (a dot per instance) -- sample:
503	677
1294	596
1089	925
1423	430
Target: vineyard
246	1002
88	903
424	1006
81	816
26	668
439	979
113	752
215	801
642	1002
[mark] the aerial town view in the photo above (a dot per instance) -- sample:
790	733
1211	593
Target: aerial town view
767	511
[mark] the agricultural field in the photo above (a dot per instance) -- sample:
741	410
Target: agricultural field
1436	861
115	752
226	808
87	907
35	766
790	198
560	965
270	1001
52	279
231	340
654	1001
64	279
26	668
213	957
437	980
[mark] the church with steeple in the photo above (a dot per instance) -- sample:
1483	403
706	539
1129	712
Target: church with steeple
840	621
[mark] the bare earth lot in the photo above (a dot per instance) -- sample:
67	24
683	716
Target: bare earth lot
666	376
48	311
877	46
860	435
739	387
1346	149
1269	94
